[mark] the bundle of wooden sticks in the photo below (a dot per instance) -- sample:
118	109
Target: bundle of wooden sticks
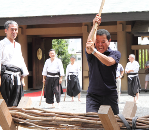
35	118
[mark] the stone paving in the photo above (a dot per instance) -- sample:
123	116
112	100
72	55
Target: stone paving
80	107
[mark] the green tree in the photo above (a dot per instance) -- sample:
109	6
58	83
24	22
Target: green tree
61	48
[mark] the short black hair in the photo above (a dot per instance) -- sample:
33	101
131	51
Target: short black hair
51	50
102	32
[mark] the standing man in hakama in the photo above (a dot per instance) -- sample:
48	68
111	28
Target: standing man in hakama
132	69
53	72
12	66
73	85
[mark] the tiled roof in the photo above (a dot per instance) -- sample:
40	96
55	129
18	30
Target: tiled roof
29	8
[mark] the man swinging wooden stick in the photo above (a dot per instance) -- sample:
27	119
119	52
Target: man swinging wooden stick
93	32
102	62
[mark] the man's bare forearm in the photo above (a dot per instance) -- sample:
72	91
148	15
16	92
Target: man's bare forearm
108	61
90	35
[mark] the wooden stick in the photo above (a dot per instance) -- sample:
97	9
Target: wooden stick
41	94
32	124
96	24
30	117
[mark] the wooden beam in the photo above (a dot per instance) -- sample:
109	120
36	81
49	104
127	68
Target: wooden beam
107	118
66	30
64	35
54	31
6	120
128	28
130	109
25	102
137	47
2	32
115	28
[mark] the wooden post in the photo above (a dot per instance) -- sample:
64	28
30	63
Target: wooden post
25	102
129	109
6	120
107	118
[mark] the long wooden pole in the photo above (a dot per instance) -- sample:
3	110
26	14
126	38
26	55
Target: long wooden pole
41	94
96	24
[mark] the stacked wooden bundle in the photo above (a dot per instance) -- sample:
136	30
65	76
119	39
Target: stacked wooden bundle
35	118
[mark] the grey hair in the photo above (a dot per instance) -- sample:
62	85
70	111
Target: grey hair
132	55
73	56
7	23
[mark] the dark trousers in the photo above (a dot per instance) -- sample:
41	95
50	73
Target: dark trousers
73	86
11	93
93	102
51	88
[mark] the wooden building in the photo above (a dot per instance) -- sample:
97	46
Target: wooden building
41	21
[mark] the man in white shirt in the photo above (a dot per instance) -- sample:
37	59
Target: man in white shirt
12	66
73	85
53	72
132	69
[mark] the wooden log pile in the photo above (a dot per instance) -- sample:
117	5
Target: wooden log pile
35	118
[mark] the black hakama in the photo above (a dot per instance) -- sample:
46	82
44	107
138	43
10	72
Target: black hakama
73	86
134	86
52	87
10	89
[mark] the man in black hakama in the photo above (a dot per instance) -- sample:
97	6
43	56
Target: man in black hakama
12	66
132	69
52	77
72	73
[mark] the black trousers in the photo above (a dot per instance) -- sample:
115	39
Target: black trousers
93	102
134	86
11	93
51	88
73	86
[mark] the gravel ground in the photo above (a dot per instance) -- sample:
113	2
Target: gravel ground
80	107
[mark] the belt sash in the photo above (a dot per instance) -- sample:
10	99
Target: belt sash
53	74
72	73
13	72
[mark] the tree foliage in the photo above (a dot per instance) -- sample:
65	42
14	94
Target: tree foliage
61	48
